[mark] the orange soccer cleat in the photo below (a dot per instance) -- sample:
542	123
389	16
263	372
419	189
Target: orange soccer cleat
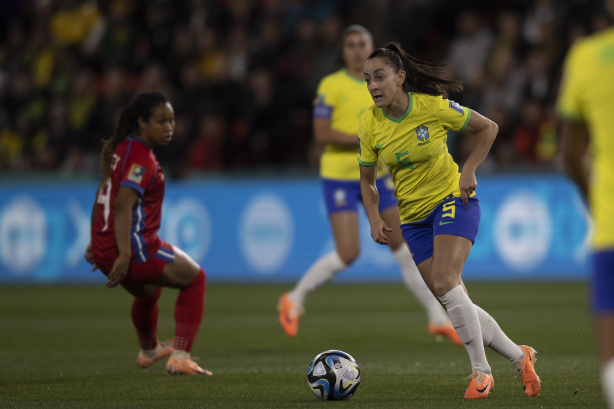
175	366
447	331
480	386
289	314
526	369
163	349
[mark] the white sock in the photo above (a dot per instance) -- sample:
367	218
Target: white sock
607	382
465	319
321	272
494	337
152	353
181	355
413	280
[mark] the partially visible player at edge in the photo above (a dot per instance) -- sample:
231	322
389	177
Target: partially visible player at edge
125	245
341	98
586	107
407	129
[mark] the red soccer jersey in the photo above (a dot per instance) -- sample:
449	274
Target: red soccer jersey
133	165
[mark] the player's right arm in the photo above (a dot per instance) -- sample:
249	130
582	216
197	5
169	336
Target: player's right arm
323	107
370	200
574	132
122	213
367	158
323	132
574	143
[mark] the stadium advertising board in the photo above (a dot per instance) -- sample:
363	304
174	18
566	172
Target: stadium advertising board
532	228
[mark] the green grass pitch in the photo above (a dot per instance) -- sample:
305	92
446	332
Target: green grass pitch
74	346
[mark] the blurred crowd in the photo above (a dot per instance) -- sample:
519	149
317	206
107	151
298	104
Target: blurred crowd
242	74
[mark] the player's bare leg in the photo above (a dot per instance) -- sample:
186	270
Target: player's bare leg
345	231
439	323
605	342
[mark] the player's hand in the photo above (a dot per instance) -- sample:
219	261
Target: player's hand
467	184
89	256
119	270
378	231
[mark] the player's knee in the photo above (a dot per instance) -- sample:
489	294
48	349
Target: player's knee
348	256
440	285
200	281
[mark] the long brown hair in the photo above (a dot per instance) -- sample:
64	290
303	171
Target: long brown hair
420	76
141	107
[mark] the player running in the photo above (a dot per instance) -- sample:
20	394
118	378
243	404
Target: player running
586	106
341	98
125	245
407	129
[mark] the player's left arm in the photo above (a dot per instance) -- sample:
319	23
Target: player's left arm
574	143
485	132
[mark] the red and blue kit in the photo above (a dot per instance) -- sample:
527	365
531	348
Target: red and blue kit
133	165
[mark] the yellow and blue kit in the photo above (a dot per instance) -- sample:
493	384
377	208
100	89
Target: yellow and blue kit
425	175
587	96
341	99
415	150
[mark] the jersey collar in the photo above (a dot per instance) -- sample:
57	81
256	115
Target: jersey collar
409	107
132	138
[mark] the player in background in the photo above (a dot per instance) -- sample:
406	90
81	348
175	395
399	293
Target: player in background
586	107
125	245
341	98
440	213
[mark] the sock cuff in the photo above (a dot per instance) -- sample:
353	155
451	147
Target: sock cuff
333	260
402	254
453	297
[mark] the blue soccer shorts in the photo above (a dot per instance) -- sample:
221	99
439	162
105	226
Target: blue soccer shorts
451	216
602	286
343	195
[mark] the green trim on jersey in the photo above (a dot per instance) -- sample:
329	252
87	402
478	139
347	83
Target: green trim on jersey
398	121
345	71
366	163
569	116
466	120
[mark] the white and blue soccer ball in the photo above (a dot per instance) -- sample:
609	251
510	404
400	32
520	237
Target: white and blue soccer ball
333	375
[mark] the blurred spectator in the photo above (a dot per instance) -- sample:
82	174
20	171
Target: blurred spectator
470	48
242	73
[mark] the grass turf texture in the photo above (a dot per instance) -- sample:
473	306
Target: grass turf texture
69	346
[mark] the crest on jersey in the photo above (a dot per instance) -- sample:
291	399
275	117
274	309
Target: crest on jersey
423	133
456	106
136	173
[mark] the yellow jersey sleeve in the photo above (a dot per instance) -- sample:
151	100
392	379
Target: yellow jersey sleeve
569	103
367	156
324	102
452	115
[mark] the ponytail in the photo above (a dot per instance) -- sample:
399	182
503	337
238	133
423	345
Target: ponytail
141	107
420	76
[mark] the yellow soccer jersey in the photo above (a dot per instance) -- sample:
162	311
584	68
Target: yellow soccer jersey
414	148
587	95
342	99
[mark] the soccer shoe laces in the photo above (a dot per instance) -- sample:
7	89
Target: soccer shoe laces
479	377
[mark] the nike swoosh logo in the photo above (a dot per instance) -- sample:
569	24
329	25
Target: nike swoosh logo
483	389
379	145
441	223
459	326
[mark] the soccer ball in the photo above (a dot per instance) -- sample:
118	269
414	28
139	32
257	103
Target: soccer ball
333	375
